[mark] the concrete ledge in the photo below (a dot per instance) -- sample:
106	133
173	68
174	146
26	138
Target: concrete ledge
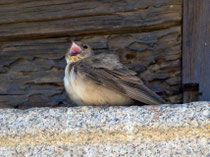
166	130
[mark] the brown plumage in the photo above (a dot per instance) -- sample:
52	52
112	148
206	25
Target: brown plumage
103	80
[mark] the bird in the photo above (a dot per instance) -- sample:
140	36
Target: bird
102	80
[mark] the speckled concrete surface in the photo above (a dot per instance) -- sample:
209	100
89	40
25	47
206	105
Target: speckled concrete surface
166	130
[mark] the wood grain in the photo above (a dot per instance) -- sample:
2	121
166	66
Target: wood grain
196	48
40	19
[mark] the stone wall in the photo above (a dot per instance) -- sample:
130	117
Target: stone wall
166	130
34	36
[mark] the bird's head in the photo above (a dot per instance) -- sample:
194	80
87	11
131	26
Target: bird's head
78	51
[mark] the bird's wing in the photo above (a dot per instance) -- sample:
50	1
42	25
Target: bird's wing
107	71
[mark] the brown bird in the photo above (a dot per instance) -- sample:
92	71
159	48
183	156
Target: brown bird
102	80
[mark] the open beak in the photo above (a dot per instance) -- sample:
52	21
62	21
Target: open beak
74	50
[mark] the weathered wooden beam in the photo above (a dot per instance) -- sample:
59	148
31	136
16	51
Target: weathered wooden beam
40	19
13	11
196	48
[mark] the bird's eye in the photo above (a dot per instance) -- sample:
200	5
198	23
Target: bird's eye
85	46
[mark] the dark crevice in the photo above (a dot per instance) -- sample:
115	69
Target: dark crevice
16	106
44	83
10	94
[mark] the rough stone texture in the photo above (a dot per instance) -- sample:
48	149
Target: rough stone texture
35	35
166	130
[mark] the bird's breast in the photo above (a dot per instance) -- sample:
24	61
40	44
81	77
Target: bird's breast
70	83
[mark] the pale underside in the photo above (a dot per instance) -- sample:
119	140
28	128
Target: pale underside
84	91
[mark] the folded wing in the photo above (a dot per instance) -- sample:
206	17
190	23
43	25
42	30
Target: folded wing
107	71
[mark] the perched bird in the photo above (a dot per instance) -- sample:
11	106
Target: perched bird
102	80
